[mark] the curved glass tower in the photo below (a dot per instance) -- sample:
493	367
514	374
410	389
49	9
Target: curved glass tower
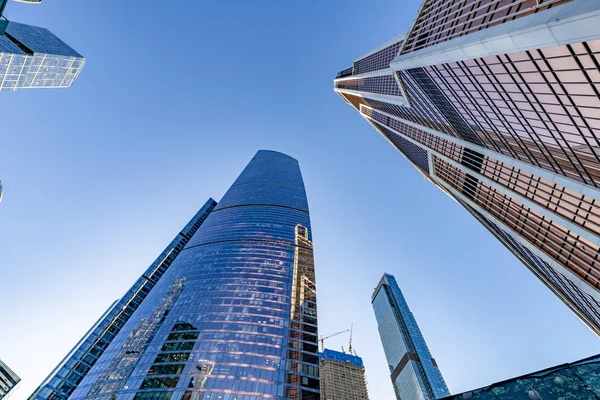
234	317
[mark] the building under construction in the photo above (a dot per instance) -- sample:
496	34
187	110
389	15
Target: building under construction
342	376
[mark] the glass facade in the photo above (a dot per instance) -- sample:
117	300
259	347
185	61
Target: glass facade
579	380
74	367
32	57
8	380
414	373
442	20
234	317
514	137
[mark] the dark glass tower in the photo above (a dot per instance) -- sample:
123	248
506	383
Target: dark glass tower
234	317
63	380
415	374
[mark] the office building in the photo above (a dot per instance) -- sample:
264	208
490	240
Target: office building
32	57
63	380
579	380
342	376
414	373
234	317
8	380
498	104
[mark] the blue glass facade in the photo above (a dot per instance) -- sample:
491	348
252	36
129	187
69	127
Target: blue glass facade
32	57
63	380
8	380
342	357
578	381
234	317
414	373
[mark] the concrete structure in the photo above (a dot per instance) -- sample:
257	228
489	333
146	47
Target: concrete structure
414	373
498	104
8	380
342	376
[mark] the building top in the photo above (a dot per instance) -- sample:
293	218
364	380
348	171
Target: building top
382	46
333	355
385	280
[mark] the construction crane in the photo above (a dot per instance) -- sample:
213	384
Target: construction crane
330	336
350	343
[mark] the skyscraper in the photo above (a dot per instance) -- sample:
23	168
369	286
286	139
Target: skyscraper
63	380
414	373
498	104
234	317
342	376
8	380
32	57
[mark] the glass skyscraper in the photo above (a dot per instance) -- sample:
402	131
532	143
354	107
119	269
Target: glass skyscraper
414	373
8	380
234	317
63	380
32	57
498	104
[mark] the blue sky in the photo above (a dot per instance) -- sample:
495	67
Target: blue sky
173	102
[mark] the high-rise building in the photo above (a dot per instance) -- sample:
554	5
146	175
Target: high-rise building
342	376
498	104
578	380
235	316
414	373
63	380
32	57
8	380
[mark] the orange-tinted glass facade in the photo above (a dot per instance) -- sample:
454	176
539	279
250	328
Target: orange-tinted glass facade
442	20
514	138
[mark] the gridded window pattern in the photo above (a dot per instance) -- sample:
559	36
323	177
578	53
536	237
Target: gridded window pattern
584	304
342	380
442	20
574	206
414	153
34	57
414	373
422	110
59	385
386	85
541	107
442	146
381	59
8	380
235	315
574	252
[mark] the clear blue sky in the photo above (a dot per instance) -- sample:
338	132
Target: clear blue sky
173	102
